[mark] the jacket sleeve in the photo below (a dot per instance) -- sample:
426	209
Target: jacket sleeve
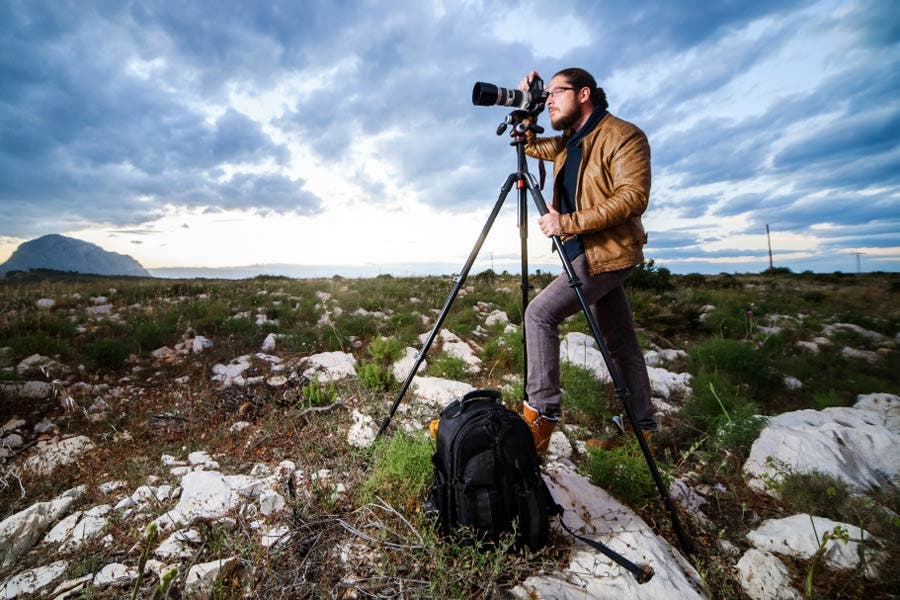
629	171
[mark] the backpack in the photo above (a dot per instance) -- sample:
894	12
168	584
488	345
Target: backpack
487	472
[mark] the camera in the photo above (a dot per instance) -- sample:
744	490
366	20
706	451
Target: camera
532	101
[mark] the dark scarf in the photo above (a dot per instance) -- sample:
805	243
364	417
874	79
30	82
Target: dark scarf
574	154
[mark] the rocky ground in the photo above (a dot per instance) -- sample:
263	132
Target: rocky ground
218	473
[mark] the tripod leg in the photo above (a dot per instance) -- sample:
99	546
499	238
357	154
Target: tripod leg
504	191
621	390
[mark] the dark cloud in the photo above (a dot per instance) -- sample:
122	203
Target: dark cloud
110	112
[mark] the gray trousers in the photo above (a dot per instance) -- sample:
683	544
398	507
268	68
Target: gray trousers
606	297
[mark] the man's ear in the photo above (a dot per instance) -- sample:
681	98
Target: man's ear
584	95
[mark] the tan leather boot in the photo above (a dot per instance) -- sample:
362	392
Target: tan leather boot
541	427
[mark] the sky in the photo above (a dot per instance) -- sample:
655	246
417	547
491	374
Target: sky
226	134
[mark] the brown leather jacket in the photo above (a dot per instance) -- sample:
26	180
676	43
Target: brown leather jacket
611	194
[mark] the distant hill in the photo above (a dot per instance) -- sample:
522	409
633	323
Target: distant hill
62	253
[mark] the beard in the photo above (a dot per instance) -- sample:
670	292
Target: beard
563	121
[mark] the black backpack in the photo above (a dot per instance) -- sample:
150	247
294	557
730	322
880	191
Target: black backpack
487	472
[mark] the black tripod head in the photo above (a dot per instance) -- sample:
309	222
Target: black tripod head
517	119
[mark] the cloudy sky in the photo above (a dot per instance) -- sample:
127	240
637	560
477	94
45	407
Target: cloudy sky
342	133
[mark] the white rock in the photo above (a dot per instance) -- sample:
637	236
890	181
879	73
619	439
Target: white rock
32	580
233	372
61	531
271	502
114	574
19	532
71	588
496	317
274	536
362	432
872	336
792	383
559	446
13	440
111	486
764	577
91	524
277	381
200	343
12	425
689	500
239	426
202	458
45	303
883	406
201	578
655	358
404	365
590	574
330	366
581	349
811	347
866	355
438	392
28	390
99	311
179	545
269	343
50	455
461	350
205	496
799	536
852	444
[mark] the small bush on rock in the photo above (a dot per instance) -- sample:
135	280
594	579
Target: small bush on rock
623	471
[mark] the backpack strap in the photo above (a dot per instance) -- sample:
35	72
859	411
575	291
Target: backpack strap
642	574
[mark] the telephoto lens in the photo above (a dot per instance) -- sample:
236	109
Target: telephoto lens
488	94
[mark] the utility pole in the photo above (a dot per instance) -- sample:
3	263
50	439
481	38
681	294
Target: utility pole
769	238
858	254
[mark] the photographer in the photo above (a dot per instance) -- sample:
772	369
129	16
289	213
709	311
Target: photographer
601	187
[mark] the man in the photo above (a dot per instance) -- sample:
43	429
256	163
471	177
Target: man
601	186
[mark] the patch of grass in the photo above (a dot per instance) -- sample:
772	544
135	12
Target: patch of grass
375	377
107	353
743	363
714	397
315	394
623	471
385	350
448	367
736	430
583	394
401	471
505	352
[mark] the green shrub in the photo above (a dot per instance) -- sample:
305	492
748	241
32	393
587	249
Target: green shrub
385	350
818	494
315	394
583	394
401	470
448	367
374	377
647	276
827	398
106	353
743	363
736	430
714	395
623	472
505	352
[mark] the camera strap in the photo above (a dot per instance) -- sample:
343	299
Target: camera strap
542	171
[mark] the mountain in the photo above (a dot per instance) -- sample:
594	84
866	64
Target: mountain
62	253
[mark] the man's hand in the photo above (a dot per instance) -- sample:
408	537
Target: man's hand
549	223
523	85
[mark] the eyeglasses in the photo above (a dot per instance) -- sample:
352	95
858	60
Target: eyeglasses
557	90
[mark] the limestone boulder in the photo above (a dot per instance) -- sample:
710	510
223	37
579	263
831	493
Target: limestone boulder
856	444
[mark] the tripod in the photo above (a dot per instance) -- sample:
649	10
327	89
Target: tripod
524	182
